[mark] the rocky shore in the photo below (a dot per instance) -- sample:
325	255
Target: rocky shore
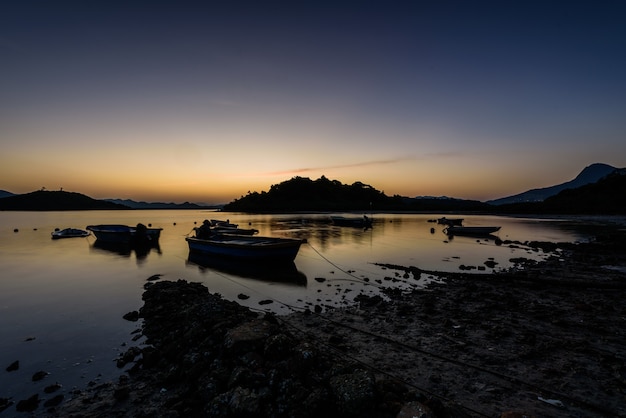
547	339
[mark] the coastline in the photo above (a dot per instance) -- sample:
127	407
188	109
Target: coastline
545	340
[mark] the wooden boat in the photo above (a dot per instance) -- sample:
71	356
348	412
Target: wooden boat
125	234
69	233
223	224
471	230
234	231
356	222
248	248
450	221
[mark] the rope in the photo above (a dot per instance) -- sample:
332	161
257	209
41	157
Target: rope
360	280
508	378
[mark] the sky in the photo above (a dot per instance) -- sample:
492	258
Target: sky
206	101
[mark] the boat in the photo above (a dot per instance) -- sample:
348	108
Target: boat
222	224
471	230
450	221
69	233
125	234
247	248
356	222
234	231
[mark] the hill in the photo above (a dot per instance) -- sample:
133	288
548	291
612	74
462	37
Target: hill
157	205
590	174
605	197
4	193
303	194
43	200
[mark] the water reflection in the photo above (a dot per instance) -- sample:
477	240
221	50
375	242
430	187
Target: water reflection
283	273
126	249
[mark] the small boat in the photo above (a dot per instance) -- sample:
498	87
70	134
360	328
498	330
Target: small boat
69	233
222	224
471	230
356	222
234	231
125	234
450	222
249	248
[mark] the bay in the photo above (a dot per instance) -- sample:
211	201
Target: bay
62	301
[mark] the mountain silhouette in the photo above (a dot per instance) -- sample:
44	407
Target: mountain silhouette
43	200
591	174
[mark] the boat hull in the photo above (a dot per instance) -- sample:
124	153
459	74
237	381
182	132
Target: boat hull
248	248
69	233
124	233
472	230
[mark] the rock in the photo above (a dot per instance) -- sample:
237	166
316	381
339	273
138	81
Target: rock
39	375
5	403
354	392
13	366
248	336
132	316
28	405
415	410
52	388
55	401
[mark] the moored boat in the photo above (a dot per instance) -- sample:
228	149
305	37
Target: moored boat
69	233
471	230
125	234
234	231
249	248
223	224
450	221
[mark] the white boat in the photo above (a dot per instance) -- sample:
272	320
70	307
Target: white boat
471	230
125	234
69	233
248	248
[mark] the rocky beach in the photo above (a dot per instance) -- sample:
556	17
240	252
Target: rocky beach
542	339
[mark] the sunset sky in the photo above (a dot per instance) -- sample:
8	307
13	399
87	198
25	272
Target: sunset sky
205	101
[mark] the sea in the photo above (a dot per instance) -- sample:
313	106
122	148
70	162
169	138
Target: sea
62	301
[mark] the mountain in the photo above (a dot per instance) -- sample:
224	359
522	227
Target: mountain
4	193
607	196
590	174
158	205
43	200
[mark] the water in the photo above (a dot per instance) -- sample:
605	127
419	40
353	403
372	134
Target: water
62	301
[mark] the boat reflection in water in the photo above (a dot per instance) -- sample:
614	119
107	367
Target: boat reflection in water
125	249
278	272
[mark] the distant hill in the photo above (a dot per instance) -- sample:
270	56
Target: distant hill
55	200
303	194
4	193
604	197
590	174
158	205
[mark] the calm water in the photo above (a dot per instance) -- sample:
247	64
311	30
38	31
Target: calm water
62	301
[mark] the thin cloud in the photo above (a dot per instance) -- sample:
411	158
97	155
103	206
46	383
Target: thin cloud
335	167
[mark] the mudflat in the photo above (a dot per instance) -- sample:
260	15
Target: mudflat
545	339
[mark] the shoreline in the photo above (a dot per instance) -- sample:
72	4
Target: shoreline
545	340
